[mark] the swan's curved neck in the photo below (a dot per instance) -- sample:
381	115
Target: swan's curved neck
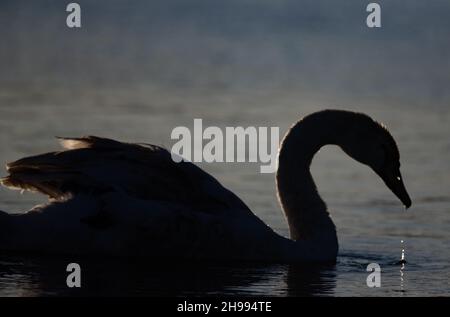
306	212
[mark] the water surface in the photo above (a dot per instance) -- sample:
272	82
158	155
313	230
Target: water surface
136	72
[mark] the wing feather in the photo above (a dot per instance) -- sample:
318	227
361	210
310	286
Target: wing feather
144	171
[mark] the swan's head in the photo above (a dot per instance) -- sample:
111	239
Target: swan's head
370	143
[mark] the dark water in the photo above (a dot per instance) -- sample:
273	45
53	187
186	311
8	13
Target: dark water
135	71
103	278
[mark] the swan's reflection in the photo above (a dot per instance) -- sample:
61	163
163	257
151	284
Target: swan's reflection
311	280
47	277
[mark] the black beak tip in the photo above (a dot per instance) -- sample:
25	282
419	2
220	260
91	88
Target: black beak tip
407	203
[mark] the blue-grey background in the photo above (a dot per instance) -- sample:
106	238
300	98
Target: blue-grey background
137	69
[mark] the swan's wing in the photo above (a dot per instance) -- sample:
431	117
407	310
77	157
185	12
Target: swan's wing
97	165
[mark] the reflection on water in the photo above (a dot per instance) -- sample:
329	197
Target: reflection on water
34	276
310	280
46	276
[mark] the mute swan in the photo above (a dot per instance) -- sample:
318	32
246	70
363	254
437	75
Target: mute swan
113	198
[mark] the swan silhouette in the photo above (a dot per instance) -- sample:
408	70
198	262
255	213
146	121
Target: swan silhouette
112	198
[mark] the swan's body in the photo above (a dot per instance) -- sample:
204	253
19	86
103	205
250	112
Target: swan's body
113	198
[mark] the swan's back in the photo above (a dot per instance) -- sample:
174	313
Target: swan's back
98	165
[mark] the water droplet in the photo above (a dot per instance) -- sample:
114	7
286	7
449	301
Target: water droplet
402	267
402	258
403	253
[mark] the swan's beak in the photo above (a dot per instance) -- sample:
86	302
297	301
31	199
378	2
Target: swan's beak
393	179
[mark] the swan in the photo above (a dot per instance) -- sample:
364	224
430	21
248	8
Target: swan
109	198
